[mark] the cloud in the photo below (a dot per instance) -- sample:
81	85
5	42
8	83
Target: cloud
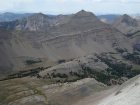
122	1
130	0
64	0
96	0
71	6
25	0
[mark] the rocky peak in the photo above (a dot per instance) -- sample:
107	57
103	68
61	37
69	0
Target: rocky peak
126	16
84	13
37	15
129	21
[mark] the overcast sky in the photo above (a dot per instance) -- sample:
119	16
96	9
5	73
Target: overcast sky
72	6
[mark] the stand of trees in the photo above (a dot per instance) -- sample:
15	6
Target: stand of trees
30	62
25	73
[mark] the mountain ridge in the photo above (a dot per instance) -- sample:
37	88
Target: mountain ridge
34	22
74	38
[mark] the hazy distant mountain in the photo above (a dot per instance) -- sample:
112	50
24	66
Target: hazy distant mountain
36	21
109	17
104	20
136	17
7	16
126	24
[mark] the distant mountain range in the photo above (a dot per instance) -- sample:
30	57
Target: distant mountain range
109	17
12	16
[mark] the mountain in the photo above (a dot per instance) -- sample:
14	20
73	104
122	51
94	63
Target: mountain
36	21
7	16
109	17
67	59
126	24
78	35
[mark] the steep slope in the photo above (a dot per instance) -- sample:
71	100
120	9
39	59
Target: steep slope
126	24
127	94
135	40
80	34
37	21
7	16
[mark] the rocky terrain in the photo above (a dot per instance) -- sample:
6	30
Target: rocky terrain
126	94
38	92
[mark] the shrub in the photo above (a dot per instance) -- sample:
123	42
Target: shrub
61	61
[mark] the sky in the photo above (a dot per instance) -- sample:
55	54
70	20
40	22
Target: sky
71	6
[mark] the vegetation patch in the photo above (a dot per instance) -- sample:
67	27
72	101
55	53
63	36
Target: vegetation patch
134	58
119	70
25	73
61	61
30	62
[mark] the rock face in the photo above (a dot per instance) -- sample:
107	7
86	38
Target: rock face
34	22
78	35
126	24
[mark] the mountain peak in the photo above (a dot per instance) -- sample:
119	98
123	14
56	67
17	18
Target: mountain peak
39	14
126	19
125	24
126	16
82	10
84	13
129	21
